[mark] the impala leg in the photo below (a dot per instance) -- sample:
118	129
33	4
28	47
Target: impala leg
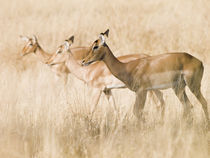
195	87
139	104
113	100
181	94
204	105
203	102
109	95
65	79
97	97
159	95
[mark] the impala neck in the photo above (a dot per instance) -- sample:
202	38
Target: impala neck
80	53
41	54
75	68
117	68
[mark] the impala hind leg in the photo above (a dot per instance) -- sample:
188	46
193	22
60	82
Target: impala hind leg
202	100
159	95
194	83
181	94
139	104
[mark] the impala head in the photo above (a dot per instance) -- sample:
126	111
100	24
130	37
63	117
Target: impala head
97	50
30	46
60	55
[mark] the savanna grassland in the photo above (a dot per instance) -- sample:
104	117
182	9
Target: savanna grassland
40	119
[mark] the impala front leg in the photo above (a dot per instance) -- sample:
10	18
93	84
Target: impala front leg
65	79
97	97
109	95
139	104
159	95
113	102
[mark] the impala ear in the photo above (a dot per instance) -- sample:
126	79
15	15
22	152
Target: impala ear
71	40
106	33
66	46
24	38
102	38
34	39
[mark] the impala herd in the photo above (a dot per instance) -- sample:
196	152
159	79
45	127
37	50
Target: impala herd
99	68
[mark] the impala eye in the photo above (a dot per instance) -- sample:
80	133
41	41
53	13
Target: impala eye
95	47
58	52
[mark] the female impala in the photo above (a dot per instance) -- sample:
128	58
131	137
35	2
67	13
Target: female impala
96	75
33	46
170	70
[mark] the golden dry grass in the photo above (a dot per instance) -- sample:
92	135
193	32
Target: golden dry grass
37	117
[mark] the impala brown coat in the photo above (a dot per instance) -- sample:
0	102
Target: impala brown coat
96	75
32	46
170	70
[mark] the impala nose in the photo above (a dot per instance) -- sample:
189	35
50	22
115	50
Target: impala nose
86	63
48	63
51	64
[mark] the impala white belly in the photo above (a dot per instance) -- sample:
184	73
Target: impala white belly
160	86
163	80
116	86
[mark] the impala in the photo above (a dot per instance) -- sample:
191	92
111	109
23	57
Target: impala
96	75
32	46
170	70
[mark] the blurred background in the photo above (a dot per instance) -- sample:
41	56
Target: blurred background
38	118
